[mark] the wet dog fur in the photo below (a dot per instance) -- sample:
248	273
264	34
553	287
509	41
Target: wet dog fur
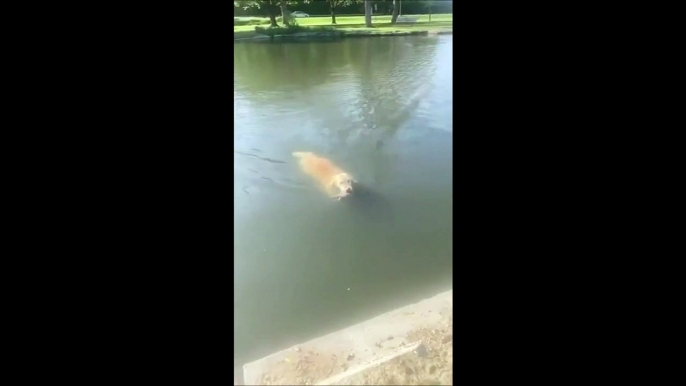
333	180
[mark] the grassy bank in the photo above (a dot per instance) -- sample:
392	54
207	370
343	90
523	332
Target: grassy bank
382	25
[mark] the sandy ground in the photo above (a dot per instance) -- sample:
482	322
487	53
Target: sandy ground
411	345
429	361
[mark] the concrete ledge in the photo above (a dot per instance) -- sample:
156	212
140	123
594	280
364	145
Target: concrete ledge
384	33
354	355
252	38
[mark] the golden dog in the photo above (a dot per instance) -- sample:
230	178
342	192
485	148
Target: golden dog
335	182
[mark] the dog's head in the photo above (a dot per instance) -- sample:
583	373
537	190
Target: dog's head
344	183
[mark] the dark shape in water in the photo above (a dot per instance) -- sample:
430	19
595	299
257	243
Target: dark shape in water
368	203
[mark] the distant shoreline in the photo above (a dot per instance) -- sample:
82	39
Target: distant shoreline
316	27
314	35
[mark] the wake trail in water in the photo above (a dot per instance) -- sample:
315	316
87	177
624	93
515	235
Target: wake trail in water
262	158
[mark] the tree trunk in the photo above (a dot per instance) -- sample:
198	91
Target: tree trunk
333	12
272	19
285	14
270	7
394	18
368	13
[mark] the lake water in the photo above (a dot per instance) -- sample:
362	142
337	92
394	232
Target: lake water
306	265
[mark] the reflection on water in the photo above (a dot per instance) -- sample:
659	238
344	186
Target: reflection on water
381	108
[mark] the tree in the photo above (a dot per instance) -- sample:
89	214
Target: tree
284	12
368	13
427	5
396	8
271	7
335	4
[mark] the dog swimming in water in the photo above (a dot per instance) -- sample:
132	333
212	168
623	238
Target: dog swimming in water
333	180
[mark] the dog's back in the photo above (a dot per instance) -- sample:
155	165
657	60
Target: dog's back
316	166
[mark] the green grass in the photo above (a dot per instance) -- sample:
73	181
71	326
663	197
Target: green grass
343	20
382	24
